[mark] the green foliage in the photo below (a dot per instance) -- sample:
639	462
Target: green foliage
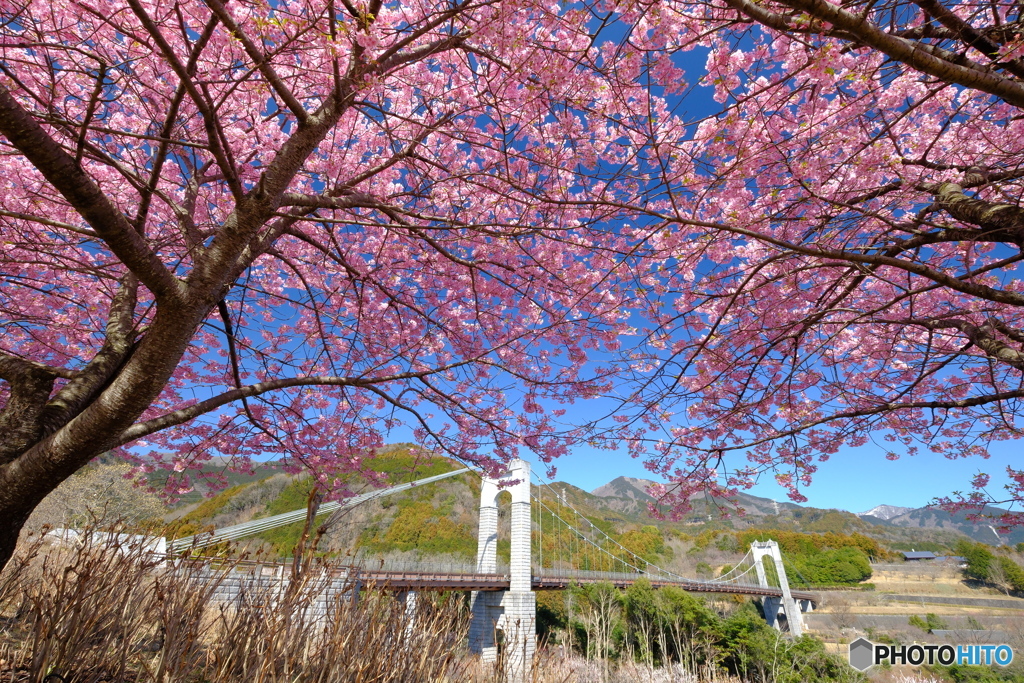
551	613
827	559
830	567
406	462
597	619
603	524
979	559
982	674
213	475
420	526
727	543
984	565
641	613
880	637
211	506
294	496
557	544
755	652
797	543
705	538
417	526
931	622
659	626
1012	573
646	542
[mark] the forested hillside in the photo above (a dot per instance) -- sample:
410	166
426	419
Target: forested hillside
437	522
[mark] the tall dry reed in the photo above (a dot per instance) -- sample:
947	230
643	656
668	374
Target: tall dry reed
103	609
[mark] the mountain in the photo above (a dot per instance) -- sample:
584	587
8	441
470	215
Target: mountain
625	487
630	494
885	512
934	518
894	524
441	518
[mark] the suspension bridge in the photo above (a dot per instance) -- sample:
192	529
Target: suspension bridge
552	547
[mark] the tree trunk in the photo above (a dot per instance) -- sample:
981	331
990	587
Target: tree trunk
12	519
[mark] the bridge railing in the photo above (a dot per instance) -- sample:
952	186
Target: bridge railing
593	575
424	566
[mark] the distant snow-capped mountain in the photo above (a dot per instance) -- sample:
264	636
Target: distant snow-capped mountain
885	512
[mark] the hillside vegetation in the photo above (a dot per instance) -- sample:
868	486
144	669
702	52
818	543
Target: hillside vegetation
438	522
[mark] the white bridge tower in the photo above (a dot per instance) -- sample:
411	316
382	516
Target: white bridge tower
773	606
507	617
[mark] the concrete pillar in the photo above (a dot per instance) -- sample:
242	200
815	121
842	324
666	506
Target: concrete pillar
487	538
772	604
772	607
520	567
519	627
485	622
513	613
409	599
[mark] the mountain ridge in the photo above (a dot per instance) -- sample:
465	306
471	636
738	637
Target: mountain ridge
629	495
885	512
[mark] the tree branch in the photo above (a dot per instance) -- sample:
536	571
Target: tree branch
969	35
917	55
349	201
260	60
1005	220
61	171
955	283
118	343
981	336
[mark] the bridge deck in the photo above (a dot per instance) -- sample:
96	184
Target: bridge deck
456	581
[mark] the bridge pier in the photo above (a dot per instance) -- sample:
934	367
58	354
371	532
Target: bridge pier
775	607
505	621
409	600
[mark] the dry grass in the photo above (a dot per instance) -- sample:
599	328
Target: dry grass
106	611
109	612
936	579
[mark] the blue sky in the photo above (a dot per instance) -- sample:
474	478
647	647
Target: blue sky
855	479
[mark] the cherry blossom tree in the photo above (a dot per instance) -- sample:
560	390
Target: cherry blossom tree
242	228
842	241
238	228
